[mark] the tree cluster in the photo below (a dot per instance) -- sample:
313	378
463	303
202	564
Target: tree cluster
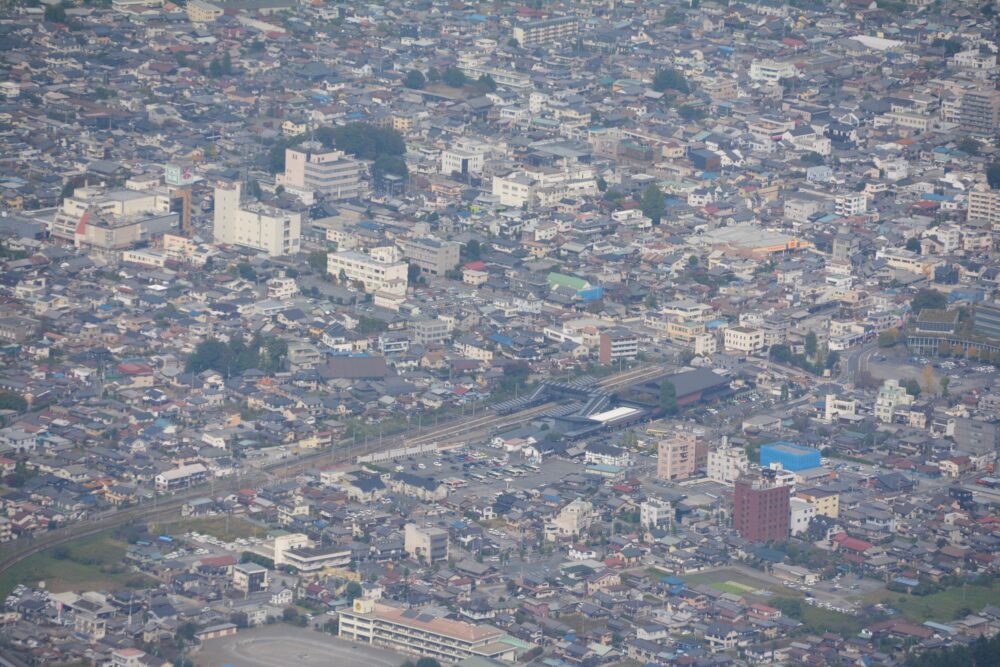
265	354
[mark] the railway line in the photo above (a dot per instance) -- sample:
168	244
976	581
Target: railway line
169	506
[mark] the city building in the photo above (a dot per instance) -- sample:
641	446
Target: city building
617	344
309	168
977	436
676	456
979	110
788	456
656	513
761	511
249	578
891	397
432	256
426	544
771	71
983	205
727	464
254	225
532	33
572	519
419	633
827	503
375	275
744	339
986	319
801	512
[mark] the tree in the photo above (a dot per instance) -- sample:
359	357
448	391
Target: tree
246	271
413	274
945	381
186	631
433	75
428	662
362	140
239	619
691	113
473	250
11	401
389	164
653	204
317	261
668	397
415	79
993	175
670	79
486	83
888	338
780	353
454	77
810	343
928	298
969	145
215	69
927	379
290	615
227	64
912	387
353	591
55	14
913	245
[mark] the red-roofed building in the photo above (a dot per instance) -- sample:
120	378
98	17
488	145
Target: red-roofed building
847	543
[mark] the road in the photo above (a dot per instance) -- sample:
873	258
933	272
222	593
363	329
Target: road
855	361
17	551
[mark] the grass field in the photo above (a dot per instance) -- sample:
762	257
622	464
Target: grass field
941	607
215	526
819	620
739	583
90	563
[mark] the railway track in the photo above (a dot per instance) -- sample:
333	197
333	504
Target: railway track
168	507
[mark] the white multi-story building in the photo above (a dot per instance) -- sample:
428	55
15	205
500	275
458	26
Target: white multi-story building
542	187
726	464
374	274
462	162
310	168
771	71
535	33
254	225
801	512
848	205
656	513
891	397
744	339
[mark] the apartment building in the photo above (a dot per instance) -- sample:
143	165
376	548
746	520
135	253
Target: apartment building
419	633
249	577
311	168
850	205
727	464
771	71
112	220
891	397
676	456
431	255
544	186
573	519
431	330
537	33
744	339
463	163
375	275
827	503
984	205
656	513
253	225
979	110
426	544
180	477
761	511
616	344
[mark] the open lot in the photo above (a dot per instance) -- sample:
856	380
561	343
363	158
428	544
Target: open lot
90	563
739	581
216	526
282	645
942	607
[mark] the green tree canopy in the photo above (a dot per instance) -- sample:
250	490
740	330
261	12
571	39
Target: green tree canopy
414	79
454	77
670	79
362	140
653	204
928	298
668	397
